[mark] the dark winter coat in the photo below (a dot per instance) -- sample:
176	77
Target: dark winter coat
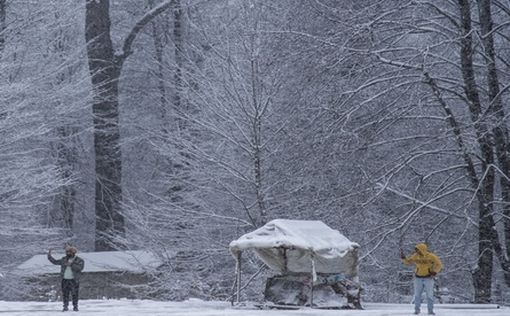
76	266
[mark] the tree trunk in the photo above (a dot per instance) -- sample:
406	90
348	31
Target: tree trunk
158	48
179	60
482	276
500	131
105	68
258	113
257	143
105	72
179	171
3	4
62	214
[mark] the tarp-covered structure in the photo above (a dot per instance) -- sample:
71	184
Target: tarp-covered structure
298	247
137	261
110	274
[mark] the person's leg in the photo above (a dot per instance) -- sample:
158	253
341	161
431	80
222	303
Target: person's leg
74	292
429	290
418	290
65	293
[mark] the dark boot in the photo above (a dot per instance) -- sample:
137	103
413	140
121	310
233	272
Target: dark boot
75	308
65	309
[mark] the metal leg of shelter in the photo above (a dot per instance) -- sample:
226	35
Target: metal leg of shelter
312	279
239	277
311	294
234	287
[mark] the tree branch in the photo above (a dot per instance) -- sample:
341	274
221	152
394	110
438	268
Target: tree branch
128	42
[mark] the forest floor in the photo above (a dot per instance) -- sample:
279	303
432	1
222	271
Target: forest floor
202	308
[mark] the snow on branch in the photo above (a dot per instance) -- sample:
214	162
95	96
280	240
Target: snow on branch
426	204
398	64
128	42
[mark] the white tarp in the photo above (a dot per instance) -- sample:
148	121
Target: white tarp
298	241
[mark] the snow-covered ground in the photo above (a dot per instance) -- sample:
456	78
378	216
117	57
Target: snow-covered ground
201	308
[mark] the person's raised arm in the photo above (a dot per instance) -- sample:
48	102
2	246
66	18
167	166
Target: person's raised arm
406	260
53	260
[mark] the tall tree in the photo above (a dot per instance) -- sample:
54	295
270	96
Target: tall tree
3	4
238	107
66	154
158	36
105	69
29	116
414	53
482	276
496	112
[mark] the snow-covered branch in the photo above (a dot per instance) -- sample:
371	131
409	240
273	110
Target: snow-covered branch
149	16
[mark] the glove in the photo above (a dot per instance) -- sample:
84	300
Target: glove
402	255
433	273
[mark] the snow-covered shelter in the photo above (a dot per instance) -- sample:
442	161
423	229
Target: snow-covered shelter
110	274
301	252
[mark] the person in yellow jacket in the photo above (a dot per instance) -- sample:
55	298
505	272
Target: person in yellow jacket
428	265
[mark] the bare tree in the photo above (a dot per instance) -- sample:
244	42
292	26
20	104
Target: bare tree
480	139
105	69
238	106
496	111
403	50
29	119
3	4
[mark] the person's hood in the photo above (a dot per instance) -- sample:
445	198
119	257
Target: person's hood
422	247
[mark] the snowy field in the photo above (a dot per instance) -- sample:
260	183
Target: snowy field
201	308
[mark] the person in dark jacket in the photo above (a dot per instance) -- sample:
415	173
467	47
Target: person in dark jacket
70	271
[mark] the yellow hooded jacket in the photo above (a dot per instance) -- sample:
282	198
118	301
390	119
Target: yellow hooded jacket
426	262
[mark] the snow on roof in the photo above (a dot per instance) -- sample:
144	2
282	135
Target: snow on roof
107	261
307	235
332	251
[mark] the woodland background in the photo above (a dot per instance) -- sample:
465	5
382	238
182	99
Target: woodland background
176	126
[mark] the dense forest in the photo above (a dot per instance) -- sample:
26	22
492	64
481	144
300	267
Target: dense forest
176	126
